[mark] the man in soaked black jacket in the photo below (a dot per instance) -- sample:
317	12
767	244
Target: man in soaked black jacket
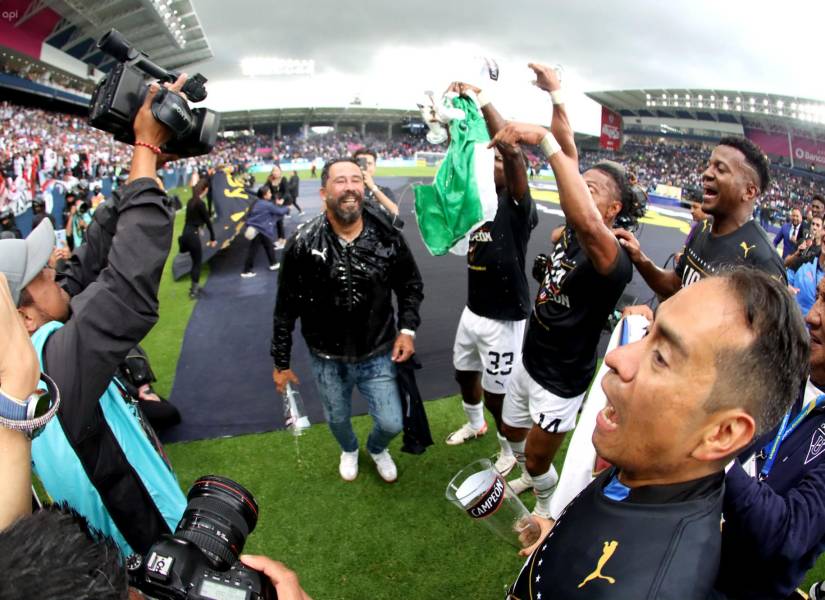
338	274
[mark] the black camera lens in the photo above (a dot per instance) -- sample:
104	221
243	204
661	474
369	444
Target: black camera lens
219	516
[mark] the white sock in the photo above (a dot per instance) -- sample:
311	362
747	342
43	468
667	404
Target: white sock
545	483
505	445
475	414
517	448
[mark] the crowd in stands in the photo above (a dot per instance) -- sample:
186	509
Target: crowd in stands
682	164
39	145
42	74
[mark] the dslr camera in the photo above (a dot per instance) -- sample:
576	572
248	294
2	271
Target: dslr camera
120	94
200	561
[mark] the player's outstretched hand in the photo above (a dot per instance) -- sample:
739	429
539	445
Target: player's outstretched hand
514	133
547	78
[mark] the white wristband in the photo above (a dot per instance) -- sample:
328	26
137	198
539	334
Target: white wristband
549	145
482	98
408	332
557	96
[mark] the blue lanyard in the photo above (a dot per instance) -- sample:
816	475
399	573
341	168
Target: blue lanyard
784	432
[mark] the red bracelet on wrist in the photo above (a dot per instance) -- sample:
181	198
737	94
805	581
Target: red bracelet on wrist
152	147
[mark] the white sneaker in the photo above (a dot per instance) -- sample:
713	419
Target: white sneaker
522	484
348	466
280	244
505	463
275	267
385	465
465	433
248	274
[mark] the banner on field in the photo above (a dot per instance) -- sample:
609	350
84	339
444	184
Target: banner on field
669	191
231	202
611	137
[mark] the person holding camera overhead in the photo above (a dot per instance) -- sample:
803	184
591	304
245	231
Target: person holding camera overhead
96	456
378	195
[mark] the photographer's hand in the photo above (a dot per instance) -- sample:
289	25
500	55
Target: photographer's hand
285	581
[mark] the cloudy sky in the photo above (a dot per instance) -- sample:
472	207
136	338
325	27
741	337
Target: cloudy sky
389	52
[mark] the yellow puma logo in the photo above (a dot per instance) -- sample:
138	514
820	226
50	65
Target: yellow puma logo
607	552
746	248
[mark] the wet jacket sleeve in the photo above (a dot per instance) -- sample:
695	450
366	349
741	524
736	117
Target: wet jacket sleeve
408	287
787	525
287	304
116	310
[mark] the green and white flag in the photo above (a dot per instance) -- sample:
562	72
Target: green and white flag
463	194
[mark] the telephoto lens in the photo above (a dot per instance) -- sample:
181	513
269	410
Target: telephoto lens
219	516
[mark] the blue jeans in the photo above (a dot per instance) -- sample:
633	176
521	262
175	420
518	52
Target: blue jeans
375	379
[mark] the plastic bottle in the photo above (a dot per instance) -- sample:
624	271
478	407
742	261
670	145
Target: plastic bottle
294	414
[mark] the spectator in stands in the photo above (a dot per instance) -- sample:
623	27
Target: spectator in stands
680	403
791	234
805	280
338	277
261	218
774	526
113	282
294	189
383	197
197	216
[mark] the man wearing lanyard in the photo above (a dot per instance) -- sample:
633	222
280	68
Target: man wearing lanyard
774	507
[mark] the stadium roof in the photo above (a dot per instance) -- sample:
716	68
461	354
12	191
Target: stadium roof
769	111
169	31
315	115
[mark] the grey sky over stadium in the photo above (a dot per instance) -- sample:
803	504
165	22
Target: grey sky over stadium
387	53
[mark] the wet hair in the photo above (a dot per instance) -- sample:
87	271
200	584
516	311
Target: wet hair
764	378
364	152
753	156
632	197
328	166
53	553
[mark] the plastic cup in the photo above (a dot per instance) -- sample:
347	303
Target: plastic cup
483	494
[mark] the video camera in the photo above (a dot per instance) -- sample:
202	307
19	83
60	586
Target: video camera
120	94
200	561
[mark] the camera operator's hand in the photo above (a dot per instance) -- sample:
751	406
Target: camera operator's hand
285	581
150	131
147	128
281	378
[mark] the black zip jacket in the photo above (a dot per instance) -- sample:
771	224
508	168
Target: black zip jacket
343	293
